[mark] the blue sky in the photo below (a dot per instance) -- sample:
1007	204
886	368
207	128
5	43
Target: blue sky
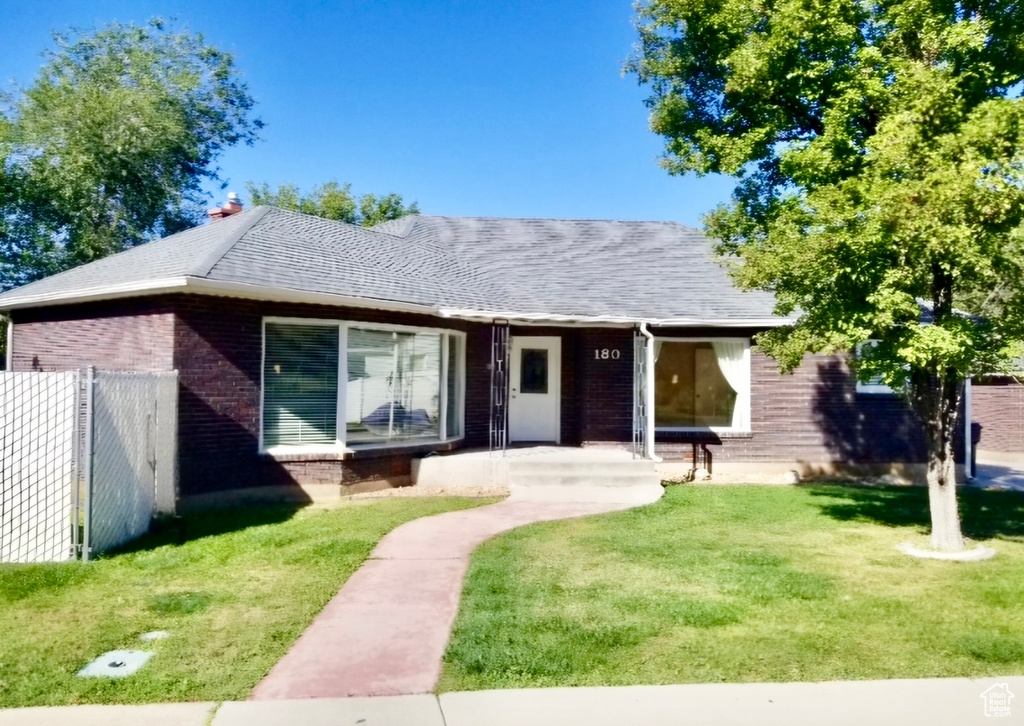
469	108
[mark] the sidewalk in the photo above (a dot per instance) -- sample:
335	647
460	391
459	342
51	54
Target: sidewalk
385	632
935	702
1006	476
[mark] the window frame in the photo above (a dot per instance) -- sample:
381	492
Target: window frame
745	400
870	389
340	446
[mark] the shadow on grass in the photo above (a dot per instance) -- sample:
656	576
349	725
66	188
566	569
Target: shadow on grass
198	524
984	514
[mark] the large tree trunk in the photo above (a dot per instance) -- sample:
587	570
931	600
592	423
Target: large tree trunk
935	394
936	401
946	535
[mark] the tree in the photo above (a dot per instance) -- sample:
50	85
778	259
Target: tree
333	201
110	145
878	153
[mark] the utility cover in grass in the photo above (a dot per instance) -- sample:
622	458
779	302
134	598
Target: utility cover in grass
154	635
116	664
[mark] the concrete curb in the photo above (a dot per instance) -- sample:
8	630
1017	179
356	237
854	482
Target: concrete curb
423	710
931	701
153	714
936	702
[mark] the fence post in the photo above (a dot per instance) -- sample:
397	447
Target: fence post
76	455
90	382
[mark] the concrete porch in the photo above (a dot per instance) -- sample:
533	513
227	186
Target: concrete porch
551	473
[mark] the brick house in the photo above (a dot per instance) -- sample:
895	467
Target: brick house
997	403
313	352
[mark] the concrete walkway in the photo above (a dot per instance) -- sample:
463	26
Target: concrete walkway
935	702
1005	476
385	632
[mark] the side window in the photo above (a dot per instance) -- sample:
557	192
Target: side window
397	384
875	384
300	385
702	384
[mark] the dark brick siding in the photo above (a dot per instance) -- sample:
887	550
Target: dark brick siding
478	384
813	415
999	407
606	385
132	334
218	348
326	471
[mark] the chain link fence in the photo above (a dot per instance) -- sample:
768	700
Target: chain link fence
133	434
88	458
38	465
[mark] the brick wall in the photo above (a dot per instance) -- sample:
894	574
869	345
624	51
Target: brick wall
218	351
813	415
134	334
216	345
999	407
606	385
333	471
478	384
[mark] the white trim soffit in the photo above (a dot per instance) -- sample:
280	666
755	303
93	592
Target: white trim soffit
614	320
188	284
207	287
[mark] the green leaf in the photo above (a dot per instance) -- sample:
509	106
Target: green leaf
111	144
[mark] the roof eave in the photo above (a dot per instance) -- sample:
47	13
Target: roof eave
90	294
201	286
615	320
223	288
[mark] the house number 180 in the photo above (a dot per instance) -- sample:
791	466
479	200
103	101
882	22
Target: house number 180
605	354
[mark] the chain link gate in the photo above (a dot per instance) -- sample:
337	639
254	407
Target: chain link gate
86	459
134	424
39	454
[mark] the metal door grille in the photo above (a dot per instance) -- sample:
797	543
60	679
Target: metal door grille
498	436
639	398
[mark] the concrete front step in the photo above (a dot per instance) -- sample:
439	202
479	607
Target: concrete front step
556	466
583	473
572	467
585	481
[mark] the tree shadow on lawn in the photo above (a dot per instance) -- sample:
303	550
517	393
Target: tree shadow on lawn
984	514
199	524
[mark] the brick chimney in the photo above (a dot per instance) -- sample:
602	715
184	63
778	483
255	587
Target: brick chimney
232	206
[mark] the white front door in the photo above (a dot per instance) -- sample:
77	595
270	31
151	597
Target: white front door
535	380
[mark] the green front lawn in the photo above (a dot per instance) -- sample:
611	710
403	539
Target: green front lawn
742	584
234	595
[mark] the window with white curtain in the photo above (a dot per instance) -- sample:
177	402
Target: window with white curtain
702	384
398	384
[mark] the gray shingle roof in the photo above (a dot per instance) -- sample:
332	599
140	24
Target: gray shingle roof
639	270
543	268
182	254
